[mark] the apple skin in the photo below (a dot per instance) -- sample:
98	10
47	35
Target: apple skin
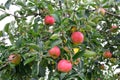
64	66
49	20
107	54
54	52
14	59
77	37
114	27
102	11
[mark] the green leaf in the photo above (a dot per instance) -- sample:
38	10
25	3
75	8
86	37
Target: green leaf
89	53
29	60
2	7
6	28
57	18
20	3
3	16
42	71
34	46
1	33
56	42
54	36
7	4
77	55
19	42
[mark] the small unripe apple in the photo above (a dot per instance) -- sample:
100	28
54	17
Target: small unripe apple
64	66
49	20
107	54
102	67
54	52
14	59
113	28
102	11
77	37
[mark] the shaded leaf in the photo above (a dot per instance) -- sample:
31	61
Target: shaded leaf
77	55
56	42
34	46
7	4
29	60
2	7
3	16
6	28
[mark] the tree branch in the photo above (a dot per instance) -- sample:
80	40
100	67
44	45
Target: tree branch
9	13
35	14
2	67
115	15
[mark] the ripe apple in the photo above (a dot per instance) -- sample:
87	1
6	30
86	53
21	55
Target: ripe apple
49	20
102	11
14	59
64	66
54	52
107	54
77	37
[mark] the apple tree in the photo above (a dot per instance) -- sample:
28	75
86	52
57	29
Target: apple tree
60	40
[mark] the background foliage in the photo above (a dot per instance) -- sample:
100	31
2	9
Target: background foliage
32	39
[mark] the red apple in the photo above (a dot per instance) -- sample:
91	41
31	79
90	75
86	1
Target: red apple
54	52
64	66
14	59
49	20
77	37
107	54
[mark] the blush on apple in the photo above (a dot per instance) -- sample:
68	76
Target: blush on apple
49	20
77	37
102	11
54	52
64	66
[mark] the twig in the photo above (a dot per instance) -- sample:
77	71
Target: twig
35	14
109	13
2	67
9	13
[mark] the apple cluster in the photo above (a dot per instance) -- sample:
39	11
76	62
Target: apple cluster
76	37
